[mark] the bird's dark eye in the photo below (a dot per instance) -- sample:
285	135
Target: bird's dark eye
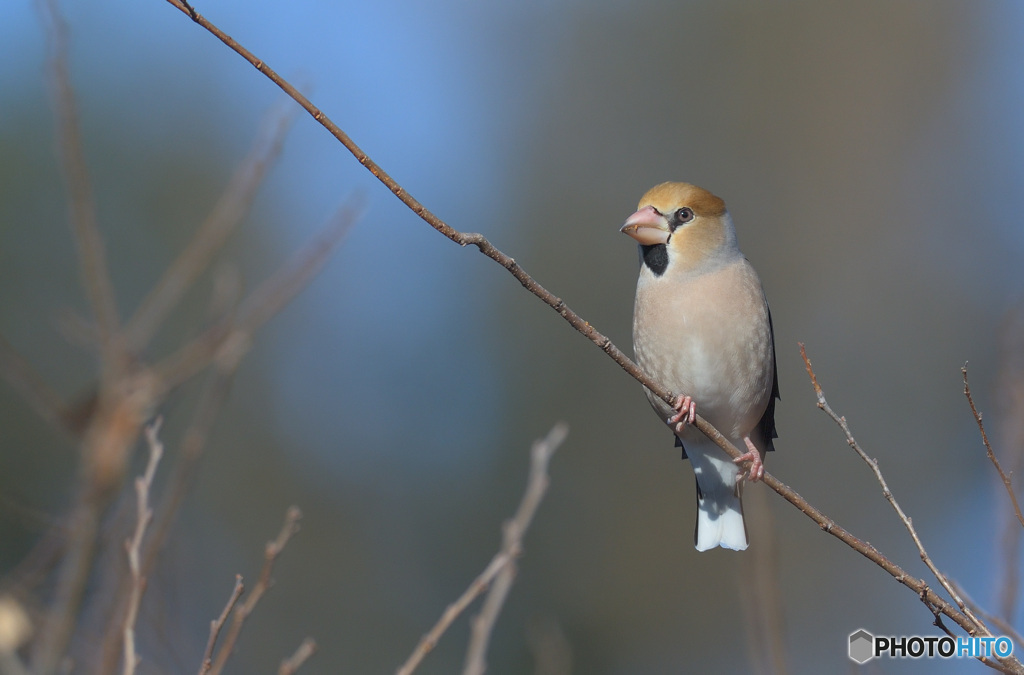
683	215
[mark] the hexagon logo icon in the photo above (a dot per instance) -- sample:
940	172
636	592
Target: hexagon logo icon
862	646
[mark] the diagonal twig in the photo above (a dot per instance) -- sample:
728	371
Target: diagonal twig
988	449
512	537
887	493
228	339
91	252
291	664
241	613
998	622
501	568
27	382
217	625
211	236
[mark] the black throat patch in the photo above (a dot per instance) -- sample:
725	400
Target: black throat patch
655	256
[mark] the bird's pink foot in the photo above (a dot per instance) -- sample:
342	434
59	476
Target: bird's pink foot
686	413
756	470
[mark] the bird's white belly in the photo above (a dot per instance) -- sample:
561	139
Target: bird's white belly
720	353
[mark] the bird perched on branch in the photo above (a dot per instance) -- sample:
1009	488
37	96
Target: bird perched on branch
701	327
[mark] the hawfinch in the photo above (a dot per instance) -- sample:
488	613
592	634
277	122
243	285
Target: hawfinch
701	327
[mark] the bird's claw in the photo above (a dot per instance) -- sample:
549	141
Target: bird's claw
686	413
756	470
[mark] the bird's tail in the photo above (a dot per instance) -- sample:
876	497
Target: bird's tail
719	504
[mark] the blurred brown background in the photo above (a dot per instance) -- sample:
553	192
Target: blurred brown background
870	154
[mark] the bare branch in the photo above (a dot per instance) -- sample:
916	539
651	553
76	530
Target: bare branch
228	339
505	558
26	381
291	664
229	211
91	253
242	612
996	621
483	624
887	493
988	448
193	445
218	624
143	516
552	653
758	575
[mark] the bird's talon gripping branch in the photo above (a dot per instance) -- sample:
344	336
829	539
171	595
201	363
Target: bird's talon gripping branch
686	413
752	455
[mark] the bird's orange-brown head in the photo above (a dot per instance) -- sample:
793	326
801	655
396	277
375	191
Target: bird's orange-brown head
682	225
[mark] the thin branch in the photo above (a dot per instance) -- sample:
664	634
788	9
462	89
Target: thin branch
483	624
271	552
988	449
1004	626
291	664
91	253
758	574
228	339
218	624
511	549
887	493
551	651
193	444
143	516
933	601
229	211
26	381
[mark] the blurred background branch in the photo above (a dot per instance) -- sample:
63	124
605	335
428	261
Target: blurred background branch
128	389
497	577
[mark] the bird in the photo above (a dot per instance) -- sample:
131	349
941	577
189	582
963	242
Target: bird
702	328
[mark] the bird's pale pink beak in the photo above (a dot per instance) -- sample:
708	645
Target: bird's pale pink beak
647	226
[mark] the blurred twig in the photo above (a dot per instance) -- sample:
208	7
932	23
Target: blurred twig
499	573
758	577
128	389
143	516
512	544
218	624
27	382
1010	401
123	402
230	210
91	253
241	612
291	664
552	653
223	345
1007	629
225	341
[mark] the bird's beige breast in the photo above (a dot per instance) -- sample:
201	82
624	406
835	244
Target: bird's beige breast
708	336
